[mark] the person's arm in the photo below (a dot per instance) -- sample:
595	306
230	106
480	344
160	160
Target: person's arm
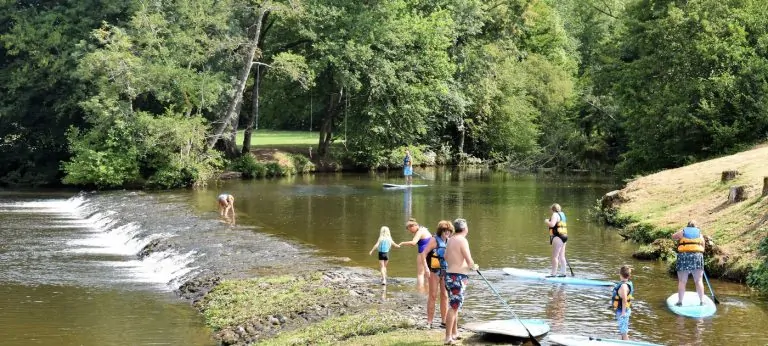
413	242
623	294
552	220
467	255
394	244
678	235
374	247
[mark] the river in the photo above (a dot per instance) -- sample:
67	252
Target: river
70	275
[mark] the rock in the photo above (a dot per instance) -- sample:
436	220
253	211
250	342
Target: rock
197	288
152	247
230	175
228	337
612	199
274	321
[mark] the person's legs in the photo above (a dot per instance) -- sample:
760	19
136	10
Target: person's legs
383	268
421	271
682	279
557	245
697	281
433	287
450	317
623	322
561	258
443	298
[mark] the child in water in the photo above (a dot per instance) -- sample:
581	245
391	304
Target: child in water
384	243
622	300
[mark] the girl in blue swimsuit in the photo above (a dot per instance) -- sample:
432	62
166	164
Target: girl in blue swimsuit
421	237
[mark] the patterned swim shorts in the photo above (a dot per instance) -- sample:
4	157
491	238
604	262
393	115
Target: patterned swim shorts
623	321
456	284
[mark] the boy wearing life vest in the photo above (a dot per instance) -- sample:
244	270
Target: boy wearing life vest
622	301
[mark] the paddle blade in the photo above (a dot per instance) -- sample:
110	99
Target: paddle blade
534	341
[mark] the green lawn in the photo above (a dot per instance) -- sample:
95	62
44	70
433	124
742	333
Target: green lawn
262	138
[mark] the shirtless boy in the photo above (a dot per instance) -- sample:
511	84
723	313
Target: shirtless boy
226	204
459	264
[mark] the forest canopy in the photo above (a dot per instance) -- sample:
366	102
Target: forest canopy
151	93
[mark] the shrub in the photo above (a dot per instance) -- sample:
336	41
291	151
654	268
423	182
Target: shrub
249	167
302	164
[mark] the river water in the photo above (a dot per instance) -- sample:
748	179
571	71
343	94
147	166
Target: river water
70	275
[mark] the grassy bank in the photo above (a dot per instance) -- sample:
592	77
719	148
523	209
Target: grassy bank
649	209
328	308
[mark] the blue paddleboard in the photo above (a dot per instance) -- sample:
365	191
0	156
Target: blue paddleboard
579	340
401	186
691	305
528	274
512	328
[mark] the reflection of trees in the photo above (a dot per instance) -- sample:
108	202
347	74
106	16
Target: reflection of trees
407	204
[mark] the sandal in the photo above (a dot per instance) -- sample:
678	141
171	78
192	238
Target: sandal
679	304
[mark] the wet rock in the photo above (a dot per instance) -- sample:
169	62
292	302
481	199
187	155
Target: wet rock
273	320
280	318
153	246
197	288
230	175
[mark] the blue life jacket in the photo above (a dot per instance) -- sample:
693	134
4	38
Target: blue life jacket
384	245
436	257
616	300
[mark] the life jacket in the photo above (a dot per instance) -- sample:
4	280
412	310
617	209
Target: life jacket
384	245
560	228
616	298
692	241
406	160
436	257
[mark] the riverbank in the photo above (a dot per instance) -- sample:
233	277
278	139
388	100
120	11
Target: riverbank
730	208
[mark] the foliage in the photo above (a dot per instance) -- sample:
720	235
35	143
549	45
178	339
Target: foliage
248	165
302	164
758	276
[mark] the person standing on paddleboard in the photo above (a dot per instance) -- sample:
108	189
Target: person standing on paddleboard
421	237
690	260
558	236
437	265
459	260
408	167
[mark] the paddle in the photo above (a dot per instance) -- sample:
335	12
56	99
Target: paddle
569	266
710	289
420	176
509	308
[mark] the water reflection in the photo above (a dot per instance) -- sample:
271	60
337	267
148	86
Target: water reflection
556	306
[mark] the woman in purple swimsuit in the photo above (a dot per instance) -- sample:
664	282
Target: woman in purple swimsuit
421	237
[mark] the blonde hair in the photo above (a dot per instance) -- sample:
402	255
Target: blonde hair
625	271
556	208
384	233
411	222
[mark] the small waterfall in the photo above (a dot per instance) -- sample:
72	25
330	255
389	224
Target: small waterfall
85	232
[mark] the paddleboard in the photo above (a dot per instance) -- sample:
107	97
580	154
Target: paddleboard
578	340
510	327
528	274
401	186
691	307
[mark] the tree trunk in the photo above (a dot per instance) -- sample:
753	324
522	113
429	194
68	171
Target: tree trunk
253	120
737	194
240	84
765	186
326	128
728	175
462	136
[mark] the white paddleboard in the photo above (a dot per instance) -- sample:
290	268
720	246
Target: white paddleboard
528	274
691	305
578	340
401	186
510	327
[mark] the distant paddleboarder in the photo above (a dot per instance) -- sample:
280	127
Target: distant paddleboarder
558	236
408	167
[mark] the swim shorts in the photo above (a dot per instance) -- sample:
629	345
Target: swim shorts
408	170
456	284
623	321
383	256
689	261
